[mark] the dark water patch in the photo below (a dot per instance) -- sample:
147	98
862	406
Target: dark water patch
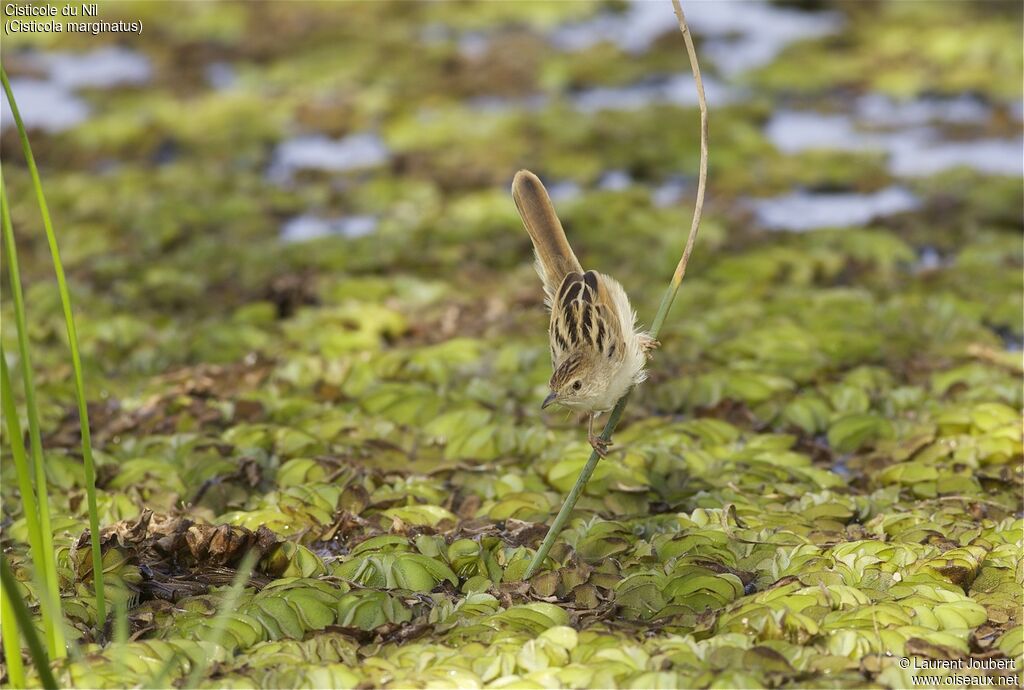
615	181
1012	340
878	109
800	211
794	131
317	152
44	105
669	192
916	150
311	227
676	90
166	152
103	68
735	36
474	44
923	153
564	190
929	259
50	101
742	35
220	75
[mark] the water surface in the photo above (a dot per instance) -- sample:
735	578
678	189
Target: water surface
800	210
51	101
318	152
310	227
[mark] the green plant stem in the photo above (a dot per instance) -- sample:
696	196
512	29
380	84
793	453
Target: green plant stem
50	610
666	303
76	360
45	558
25	627
12	643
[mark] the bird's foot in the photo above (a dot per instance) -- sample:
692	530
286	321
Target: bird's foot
648	344
599	445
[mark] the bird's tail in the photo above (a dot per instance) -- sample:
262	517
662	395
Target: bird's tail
555	257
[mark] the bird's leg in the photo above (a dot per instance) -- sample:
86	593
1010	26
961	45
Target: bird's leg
648	344
599	444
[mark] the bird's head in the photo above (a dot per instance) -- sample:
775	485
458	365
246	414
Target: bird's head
576	383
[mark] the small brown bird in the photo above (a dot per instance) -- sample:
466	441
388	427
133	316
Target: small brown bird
597	352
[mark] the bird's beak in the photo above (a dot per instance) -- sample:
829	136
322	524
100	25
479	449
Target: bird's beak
548	400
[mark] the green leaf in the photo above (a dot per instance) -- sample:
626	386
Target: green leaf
853	432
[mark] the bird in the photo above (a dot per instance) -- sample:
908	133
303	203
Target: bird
598	353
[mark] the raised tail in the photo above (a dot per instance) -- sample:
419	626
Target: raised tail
555	257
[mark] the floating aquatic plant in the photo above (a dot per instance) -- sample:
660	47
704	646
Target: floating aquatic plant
821	475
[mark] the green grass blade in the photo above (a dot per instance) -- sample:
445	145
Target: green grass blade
121	620
227	607
24	621
52	618
12	643
21	469
76	360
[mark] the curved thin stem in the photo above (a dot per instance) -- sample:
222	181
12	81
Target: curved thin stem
659	319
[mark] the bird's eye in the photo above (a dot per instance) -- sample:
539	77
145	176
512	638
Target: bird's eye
577	384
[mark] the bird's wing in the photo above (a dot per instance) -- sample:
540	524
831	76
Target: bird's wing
584	317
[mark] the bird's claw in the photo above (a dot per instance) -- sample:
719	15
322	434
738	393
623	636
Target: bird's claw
648	344
599	445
